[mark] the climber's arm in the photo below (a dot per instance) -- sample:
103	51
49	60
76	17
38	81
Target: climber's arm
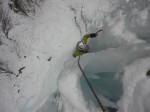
85	38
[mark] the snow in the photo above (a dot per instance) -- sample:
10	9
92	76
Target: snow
136	88
42	46
70	88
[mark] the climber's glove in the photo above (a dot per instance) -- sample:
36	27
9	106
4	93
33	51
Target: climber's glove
92	35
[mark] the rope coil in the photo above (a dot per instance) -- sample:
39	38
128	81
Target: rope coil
90	86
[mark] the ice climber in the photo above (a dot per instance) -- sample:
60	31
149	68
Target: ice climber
82	47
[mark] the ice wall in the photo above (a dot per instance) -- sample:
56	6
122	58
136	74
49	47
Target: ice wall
44	75
136	91
40	48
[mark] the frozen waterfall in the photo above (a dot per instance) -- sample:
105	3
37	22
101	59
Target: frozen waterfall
38	72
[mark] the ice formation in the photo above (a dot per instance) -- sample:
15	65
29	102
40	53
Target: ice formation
39	74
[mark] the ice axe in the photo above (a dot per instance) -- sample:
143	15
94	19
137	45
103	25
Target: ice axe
98	31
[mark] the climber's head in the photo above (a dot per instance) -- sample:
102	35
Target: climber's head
82	46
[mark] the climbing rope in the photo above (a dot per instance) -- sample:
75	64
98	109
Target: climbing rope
90	86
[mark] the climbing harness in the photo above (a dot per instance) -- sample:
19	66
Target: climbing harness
90	86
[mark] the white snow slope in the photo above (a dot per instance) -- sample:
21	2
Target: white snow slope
44	77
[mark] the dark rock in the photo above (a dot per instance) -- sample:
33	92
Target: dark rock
20	70
49	59
148	73
18	91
